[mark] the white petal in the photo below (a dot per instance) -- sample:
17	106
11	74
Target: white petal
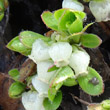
100	9
60	53
32	101
73	4
39	51
79	61
42	68
40	86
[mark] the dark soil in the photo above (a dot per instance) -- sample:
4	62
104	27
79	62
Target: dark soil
25	15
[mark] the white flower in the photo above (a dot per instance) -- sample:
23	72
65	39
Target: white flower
73	4
100	9
79	61
39	51
40	86
42	68
32	101
60	53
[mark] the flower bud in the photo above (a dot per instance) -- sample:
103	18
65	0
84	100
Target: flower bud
79	61
39	51
100	9
40	86
42	71
32	101
73	4
60	53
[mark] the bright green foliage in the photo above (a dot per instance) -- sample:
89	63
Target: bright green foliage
3	6
29	37
53	68
64	20
70	82
16	89
106	104
90	40
14	74
17	46
89	85
53	105
62	74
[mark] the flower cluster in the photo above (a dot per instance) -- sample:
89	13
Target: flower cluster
99	8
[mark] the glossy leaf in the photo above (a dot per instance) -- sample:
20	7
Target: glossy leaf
49	20
65	73
53	68
66	20
77	25
17	46
16	89
14	74
53	91
29	37
70	82
53	105
90	40
89	85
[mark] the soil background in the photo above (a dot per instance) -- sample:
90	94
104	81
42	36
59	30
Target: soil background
25	15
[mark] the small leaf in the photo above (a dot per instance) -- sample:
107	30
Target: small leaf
17	46
1	16
66	20
49	20
90	40
14	73
70	82
62	75
48	105
29	37
53	91
77	25
53	68
89	85
16	89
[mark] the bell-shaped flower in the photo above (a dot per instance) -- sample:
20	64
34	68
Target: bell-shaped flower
79	61
73	4
40	86
39	51
32	101
60	53
100	9
42	71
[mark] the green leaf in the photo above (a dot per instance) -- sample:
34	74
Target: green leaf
70	82
1	16
66	20
16	89
1	6
14	74
90	40
65	73
56	83
49	20
77	25
17	46
106	104
48	105
92	83
29	37
52	68
53	91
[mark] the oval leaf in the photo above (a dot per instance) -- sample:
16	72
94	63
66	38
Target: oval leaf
90	40
29	37
16	89
17	46
49	20
14	74
48	105
91	83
